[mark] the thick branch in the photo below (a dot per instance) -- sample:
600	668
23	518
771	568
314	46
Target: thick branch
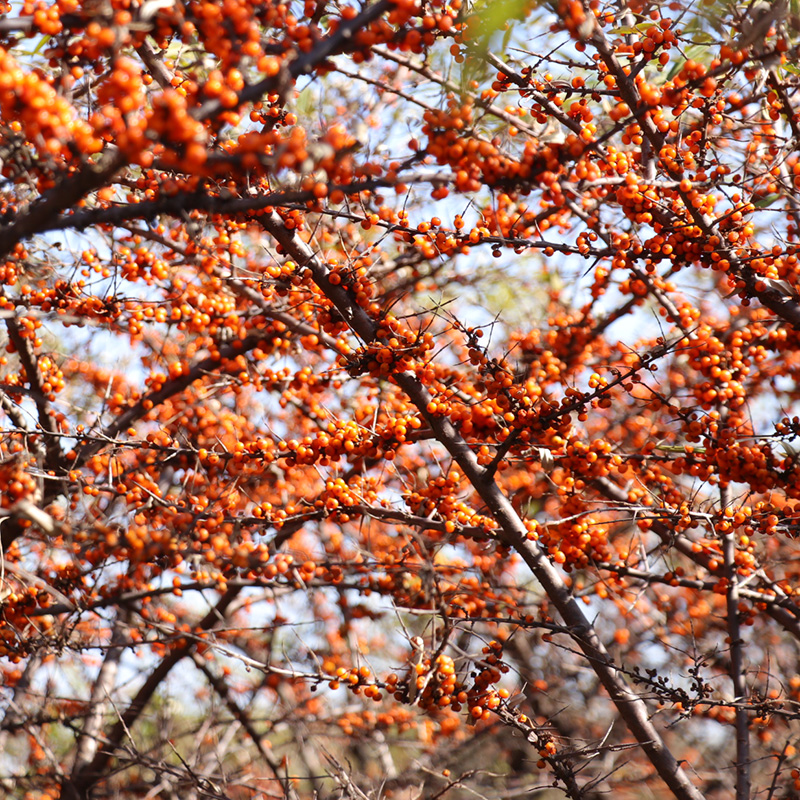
737	663
787	308
179	204
631	707
23	346
86	747
95	174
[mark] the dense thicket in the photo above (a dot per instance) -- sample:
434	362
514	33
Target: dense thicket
400	399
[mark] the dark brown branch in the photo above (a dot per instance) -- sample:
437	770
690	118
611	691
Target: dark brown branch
631	707
53	456
93	175
737	668
179	204
787	308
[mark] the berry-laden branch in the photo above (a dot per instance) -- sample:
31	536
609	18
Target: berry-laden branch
631	707
457	340
100	172
787	308
211	204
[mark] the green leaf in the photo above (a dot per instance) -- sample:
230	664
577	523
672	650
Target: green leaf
675	69
496	16
532	508
507	38
306	102
44	40
765	202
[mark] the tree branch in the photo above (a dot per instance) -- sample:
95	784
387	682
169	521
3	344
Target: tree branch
80	785
631	707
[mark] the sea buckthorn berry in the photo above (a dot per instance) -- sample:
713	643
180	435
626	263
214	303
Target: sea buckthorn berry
361	334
